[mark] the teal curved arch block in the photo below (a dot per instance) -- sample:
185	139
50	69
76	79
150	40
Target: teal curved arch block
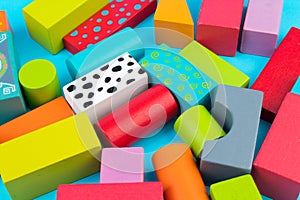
189	85
96	55
238	111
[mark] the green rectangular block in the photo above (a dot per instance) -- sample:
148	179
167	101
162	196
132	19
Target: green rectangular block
11	99
39	161
242	187
49	21
214	66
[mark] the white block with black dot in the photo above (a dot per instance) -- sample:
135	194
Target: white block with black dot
107	87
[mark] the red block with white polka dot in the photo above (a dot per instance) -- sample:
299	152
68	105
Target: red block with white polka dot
115	16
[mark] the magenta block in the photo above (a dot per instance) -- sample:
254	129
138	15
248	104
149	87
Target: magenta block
261	27
122	165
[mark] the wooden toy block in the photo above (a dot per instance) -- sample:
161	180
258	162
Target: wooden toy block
39	81
116	191
4	25
173	23
218	25
176	169
276	167
296	87
60	153
53	111
261	27
110	19
214	66
189	85
281	71
139	117
105	51
242	187
11	99
238	111
106	88
195	126
49	21
122	165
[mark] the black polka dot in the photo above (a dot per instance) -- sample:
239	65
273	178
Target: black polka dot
90	95
78	96
71	88
100	89
118	79
120	59
112	90
87	104
83	79
130	70
141	71
130	63
129	56
96	76
107	79
104	68
130	81
117	68
87	86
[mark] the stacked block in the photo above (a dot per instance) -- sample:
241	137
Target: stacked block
173	23
4	24
195	126
139	117
276	167
176	169
116	191
39	82
218	25
122	165
280	74
48	29
106	88
11	99
242	187
60	153
53	111
261	27
105	51
238	111
189	85
214	66
110	19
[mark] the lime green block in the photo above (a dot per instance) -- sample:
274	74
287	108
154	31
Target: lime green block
49	21
39	81
195	126
60	153
242	187
214	66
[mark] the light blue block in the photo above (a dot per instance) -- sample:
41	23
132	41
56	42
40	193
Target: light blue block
11	99
96	55
298	197
189	85
296	87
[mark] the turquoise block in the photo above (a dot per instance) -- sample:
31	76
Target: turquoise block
296	87
11	100
105	51
298	197
189	85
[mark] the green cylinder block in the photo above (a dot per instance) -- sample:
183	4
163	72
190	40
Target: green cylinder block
39	82
195	126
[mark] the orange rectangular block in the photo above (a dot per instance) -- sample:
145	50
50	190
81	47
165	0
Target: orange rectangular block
4	26
44	115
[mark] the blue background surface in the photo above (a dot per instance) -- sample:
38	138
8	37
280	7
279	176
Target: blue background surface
28	49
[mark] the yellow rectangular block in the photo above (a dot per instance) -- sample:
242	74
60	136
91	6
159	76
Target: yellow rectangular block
49	21
63	152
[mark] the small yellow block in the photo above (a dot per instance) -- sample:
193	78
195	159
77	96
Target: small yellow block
49	21
60	153
172	19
